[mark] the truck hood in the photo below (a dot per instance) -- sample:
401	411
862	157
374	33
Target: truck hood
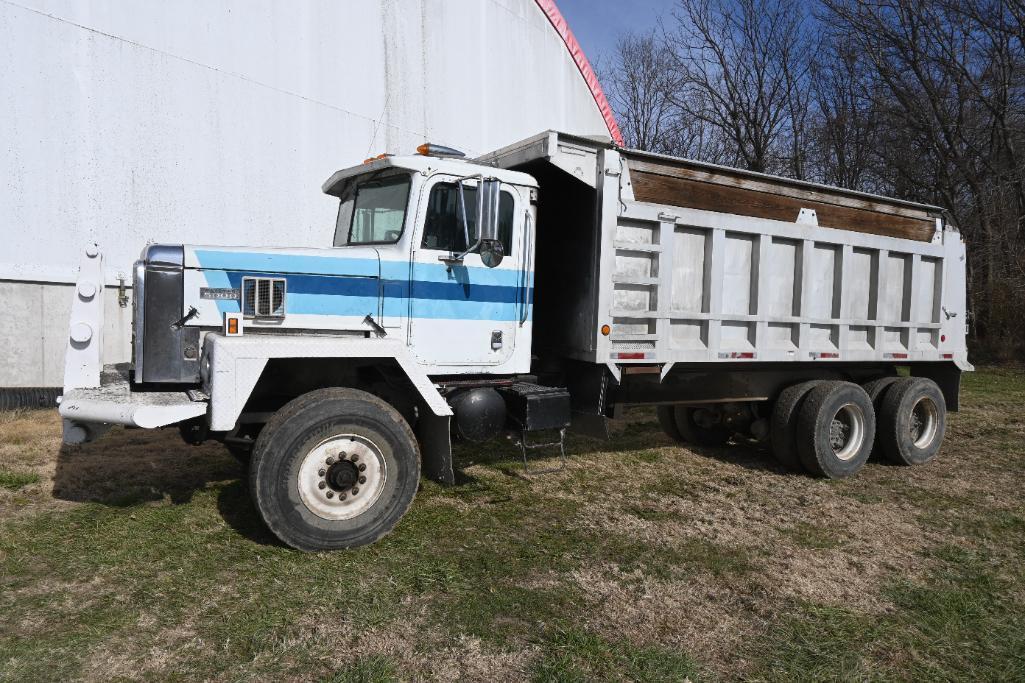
344	261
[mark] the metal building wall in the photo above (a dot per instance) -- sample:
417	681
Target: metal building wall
215	121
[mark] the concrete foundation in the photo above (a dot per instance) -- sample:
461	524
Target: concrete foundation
35	332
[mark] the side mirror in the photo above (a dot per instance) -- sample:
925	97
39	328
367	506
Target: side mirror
488	195
491	252
488	243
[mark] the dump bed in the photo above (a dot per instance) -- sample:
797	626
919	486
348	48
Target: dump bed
689	262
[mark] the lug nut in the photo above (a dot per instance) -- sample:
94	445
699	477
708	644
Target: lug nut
362	468
322	485
330	494
341	496
355	490
322	472
355	457
363	480
343	455
330	460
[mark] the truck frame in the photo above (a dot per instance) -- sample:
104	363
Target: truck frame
545	286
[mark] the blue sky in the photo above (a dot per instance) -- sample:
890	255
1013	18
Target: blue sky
598	23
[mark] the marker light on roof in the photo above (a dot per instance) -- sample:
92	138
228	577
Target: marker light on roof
429	149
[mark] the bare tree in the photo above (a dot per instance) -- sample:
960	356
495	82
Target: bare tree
946	79
742	67
644	88
845	121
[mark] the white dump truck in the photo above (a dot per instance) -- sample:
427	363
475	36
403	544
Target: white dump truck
544	286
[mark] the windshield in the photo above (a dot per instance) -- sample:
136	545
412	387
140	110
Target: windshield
373	211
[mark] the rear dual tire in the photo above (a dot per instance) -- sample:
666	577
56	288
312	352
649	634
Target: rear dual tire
830	428
783	426
912	421
835	430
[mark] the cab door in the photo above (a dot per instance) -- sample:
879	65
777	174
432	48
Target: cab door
464	315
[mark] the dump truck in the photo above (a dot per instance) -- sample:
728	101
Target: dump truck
542	287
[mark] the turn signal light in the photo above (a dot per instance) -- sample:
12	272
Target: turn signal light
233	324
606	330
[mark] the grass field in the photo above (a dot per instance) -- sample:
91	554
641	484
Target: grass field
139	557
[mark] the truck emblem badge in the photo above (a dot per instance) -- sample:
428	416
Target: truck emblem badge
218	293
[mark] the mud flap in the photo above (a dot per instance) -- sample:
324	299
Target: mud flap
432	431
590	425
947	376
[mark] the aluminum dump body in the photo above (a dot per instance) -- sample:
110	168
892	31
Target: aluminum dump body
695	263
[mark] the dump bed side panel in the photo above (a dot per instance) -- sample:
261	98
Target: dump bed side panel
688	284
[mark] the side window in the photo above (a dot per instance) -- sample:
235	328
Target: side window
443	227
379	211
343	221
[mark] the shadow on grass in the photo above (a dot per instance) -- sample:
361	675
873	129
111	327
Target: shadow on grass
129	466
236	508
630	439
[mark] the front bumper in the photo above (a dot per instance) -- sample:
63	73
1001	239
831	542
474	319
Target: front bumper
89	412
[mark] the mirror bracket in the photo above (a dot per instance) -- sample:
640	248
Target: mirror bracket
452	259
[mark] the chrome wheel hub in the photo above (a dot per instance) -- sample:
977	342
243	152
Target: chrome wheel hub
847	431
924	422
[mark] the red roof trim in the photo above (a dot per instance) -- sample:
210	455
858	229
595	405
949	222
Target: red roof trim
575	51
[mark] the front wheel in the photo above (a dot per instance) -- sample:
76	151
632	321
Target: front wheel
783	427
334	468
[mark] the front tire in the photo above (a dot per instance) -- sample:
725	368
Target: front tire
334	468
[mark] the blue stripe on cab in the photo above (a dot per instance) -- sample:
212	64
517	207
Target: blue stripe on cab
351	287
272	262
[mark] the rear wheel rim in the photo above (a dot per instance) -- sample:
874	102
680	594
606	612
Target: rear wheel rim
707	418
342	477
847	431
924	423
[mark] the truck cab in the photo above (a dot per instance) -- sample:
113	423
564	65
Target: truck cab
459	311
404	263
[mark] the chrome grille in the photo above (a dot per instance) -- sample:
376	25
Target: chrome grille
138	324
263	297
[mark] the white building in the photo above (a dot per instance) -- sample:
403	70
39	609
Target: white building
216	121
